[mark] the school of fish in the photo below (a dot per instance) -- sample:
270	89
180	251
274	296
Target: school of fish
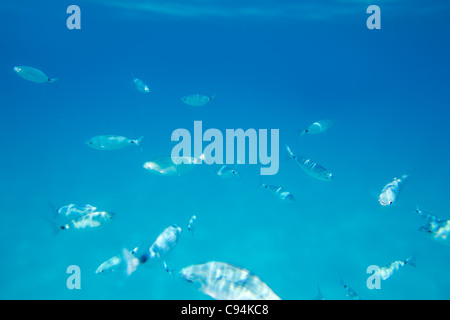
218	280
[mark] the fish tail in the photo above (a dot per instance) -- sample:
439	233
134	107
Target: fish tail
213	97
411	261
138	142
301	133
56	229
52	79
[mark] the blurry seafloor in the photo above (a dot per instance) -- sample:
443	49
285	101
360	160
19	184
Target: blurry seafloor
387	90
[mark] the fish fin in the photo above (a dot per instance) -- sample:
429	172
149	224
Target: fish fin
53	210
138	142
412	261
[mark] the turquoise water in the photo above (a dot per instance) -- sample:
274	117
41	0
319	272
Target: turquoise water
272	65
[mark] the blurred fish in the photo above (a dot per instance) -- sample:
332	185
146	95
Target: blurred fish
390	191
436	228
310	167
349	292
197	100
73	209
318	127
140	85
111	142
280	192
386	272
227	172
222	281
159	250
113	264
32	74
168	167
89	220
191	223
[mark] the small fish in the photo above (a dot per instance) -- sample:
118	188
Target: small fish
73	209
89	220
110	142
318	127
113	264
191	224
159	250
280	192
197	100
227	172
349	292
32	74
436	228
390	192
172	166
222	281
140	85
387	271
312	168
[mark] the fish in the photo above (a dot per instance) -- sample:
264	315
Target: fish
227	172
197	100
390	191
436	228
89	220
32	74
140	85
222	281
111	142
280	192
349	292
172	166
191	223
386	272
110	265
75	210
159	250
311	168
317	127
113	264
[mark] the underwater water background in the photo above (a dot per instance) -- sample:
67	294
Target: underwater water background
271	67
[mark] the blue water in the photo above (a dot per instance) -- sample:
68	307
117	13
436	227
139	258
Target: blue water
272	65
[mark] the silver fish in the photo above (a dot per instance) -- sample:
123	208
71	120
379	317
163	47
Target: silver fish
222	281
32	74
227	172
140	85
310	167
113	264
73	209
89	220
436	228
197	100
279	192
172	166
386	272
390	191
159	250
318	127
111	142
